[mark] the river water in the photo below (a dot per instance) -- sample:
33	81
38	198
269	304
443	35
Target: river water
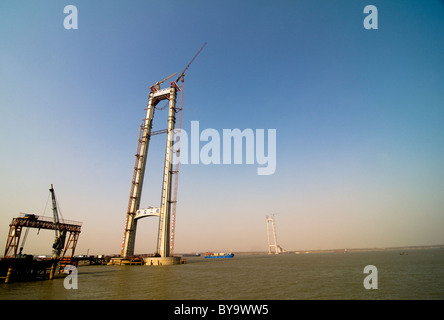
417	274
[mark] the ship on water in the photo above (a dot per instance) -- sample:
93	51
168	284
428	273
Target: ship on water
219	255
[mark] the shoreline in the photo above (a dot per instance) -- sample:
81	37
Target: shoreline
345	250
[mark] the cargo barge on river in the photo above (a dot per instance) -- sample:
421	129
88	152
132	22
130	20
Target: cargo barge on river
219	255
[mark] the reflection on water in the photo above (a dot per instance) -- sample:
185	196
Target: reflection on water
419	274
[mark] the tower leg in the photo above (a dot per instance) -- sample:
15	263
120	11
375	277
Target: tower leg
165	213
129	236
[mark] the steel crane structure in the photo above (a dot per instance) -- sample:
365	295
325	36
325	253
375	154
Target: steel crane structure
29	220
63	250
176	169
167	210
60	235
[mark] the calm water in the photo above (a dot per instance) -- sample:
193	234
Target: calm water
419	274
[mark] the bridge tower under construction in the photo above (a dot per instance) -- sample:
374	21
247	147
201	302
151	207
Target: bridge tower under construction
272	237
166	210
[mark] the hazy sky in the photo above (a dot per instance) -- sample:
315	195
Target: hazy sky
358	115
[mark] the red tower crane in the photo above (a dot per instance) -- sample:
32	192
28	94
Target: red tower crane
176	168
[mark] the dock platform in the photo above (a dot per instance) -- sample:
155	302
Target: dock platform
25	269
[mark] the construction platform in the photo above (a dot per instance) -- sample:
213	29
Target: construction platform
26	269
147	261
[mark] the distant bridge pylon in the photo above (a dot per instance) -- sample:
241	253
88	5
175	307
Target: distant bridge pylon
273	246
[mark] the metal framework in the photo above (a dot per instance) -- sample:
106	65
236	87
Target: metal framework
32	221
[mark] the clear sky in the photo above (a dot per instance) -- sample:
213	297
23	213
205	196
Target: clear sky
358	114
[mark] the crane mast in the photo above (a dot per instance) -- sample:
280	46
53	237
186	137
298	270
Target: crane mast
59	242
176	169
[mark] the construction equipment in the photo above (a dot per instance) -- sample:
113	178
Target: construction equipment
176	169
156	87
23	242
60	235
15	266
182	75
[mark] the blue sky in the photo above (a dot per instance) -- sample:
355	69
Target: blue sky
358	115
